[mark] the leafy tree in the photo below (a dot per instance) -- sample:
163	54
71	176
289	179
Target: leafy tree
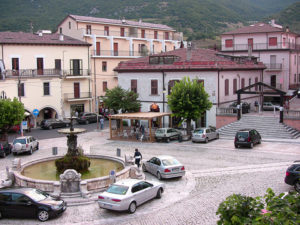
12	113
188	100
120	99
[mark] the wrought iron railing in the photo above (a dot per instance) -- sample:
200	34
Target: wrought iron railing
80	95
96	53
260	46
274	66
77	72
33	73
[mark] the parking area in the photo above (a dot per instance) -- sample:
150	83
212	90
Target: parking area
214	171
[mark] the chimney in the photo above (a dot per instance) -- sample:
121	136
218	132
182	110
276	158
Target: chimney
61	37
272	22
41	34
123	20
189	52
287	29
140	20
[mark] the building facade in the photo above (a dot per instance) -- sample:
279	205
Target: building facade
47	72
277	47
153	77
114	41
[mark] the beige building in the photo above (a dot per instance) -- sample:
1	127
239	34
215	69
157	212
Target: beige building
114	41
47	72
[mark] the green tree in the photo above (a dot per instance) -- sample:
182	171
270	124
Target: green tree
120	99
188	100
12	113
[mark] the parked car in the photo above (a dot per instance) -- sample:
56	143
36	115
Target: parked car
204	134
54	123
129	193
29	203
269	106
167	134
247	137
5	148
245	107
292	175
86	118
25	144
164	167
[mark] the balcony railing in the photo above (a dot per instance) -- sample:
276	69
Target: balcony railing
80	95
261	46
45	73
273	66
120	53
132	34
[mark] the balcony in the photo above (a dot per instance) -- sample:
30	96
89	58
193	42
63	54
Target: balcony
33	73
110	53
134	34
273	66
76	73
261	46
81	96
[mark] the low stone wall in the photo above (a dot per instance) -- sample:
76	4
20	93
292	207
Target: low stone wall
224	120
93	184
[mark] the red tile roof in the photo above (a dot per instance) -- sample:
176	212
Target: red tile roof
200	59
119	22
45	39
256	28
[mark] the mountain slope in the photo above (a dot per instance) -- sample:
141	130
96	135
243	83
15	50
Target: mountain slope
196	18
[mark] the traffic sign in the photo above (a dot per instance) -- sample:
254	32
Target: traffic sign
35	112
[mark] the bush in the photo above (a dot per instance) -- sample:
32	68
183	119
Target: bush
79	163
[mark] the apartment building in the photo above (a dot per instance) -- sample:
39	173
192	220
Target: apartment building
114	41
47	72
277	47
153	77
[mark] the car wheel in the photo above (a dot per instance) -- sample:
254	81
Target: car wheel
251	145
159	176
168	140
43	215
132	207
206	140
158	194
144	168
31	151
50	127
37	146
236	146
86	122
259	142
297	186
14	153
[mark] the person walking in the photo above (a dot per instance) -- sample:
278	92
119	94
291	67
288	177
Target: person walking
138	157
101	122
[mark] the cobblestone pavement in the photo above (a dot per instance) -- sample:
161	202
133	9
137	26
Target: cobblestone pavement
214	171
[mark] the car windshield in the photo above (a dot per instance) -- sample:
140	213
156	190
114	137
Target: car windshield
117	189
21	141
37	195
198	131
242	134
160	131
170	162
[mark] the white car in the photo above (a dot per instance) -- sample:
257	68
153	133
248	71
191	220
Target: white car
25	144
129	193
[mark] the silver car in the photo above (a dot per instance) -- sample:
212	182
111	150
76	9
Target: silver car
25	144
269	106
129	193
204	134
164	167
167	134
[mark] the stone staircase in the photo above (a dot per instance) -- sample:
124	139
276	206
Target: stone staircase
268	127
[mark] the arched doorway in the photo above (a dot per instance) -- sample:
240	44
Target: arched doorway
46	113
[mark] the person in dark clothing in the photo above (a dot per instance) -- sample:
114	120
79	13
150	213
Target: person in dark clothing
138	157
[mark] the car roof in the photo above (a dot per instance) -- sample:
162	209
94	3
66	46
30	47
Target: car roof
23	137
246	129
128	182
16	190
165	157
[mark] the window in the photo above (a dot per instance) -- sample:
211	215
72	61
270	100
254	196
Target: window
166	35
116	49
88	29
21	90
98	48
70	25
154	90
104	86
57	64
142	48
234	85
250	42
60	30
226	87
283	41
106	30
171	84
134	86
143	33
295	78
256	80
40	66
243	82
228	43
76	67
155	34
46	88
15	66
122	32
76	87
273	41
166	48
295	59
104	66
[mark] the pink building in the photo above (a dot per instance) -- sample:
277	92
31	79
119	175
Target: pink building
277	47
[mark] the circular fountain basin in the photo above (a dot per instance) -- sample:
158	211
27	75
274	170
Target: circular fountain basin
41	173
